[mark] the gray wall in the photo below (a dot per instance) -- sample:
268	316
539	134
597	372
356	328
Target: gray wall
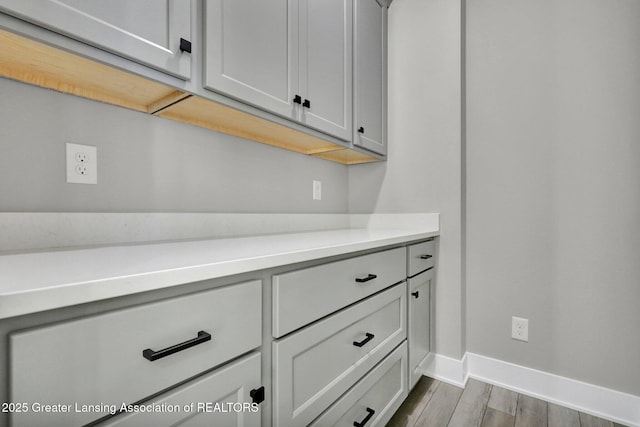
147	164
423	171
553	190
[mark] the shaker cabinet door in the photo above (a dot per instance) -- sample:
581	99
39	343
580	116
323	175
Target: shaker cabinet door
251	49
326	56
370	77
419	324
145	31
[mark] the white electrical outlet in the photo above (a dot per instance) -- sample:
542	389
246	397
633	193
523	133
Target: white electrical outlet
82	164
317	190
520	329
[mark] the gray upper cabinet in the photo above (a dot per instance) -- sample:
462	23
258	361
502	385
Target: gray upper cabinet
251	52
370	78
326	34
289	57
145	31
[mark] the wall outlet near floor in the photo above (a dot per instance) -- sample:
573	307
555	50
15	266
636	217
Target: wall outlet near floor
82	164
520	329
317	190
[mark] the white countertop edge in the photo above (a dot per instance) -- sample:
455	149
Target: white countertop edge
41	298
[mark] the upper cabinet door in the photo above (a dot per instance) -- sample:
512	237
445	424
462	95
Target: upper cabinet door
370	77
326	56
251	49
145	31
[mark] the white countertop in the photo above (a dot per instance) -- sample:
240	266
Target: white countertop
32	282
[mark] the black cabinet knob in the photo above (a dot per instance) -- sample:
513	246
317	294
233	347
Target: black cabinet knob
361	129
185	45
297	99
257	395
416	294
306	103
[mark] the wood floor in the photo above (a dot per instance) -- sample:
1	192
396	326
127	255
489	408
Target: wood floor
436	404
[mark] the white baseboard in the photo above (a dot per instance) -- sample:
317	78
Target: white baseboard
446	369
591	399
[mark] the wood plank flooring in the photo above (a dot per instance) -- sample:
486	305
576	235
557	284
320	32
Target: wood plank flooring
436	404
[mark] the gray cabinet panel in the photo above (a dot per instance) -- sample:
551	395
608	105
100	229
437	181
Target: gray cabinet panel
146	31
326	65
316	365
210	399
100	359
251	52
370	77
419	323
382	391
303	296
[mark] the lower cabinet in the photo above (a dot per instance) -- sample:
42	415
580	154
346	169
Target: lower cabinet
341	346
316	365
375	398
90	365
221	398
419	324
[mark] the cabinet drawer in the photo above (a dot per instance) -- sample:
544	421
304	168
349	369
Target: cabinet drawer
221	398
100	360
315	366
375	398
303	296
421	257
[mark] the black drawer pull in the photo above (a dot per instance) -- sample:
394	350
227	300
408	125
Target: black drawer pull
415	294
426	256
155	355
368	338
370	413
306	103
366	279
297	99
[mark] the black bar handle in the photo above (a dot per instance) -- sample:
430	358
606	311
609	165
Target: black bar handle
415	294
155	355
297	99
306	103
426	256
366	279
185	45
368	338
360	129
366	419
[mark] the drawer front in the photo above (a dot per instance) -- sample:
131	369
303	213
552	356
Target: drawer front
221	398
421	257
374	400
315	366
100	359
303	296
